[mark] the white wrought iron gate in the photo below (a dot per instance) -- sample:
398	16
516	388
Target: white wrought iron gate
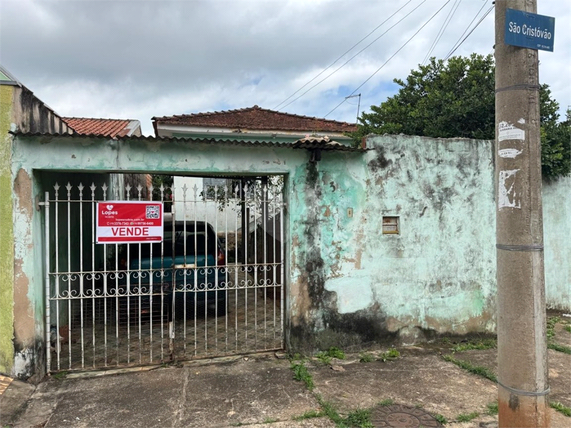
214	286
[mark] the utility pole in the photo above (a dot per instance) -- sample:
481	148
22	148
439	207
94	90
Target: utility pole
522	346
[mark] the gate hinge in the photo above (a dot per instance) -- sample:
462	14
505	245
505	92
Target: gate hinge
39	203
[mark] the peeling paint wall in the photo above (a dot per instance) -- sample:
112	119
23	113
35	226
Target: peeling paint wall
20	110
348	283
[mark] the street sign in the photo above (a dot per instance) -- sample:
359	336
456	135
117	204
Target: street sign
120	222
529	30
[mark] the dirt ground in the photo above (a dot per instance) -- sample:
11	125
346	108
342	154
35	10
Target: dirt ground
260	390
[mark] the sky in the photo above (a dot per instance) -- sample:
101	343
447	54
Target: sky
135	59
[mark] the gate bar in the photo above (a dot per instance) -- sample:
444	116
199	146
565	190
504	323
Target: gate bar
47	279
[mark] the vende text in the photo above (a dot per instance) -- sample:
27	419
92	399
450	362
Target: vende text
130	231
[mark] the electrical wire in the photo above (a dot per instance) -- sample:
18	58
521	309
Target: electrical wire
458	42
350	59
341	56
442	30
392	56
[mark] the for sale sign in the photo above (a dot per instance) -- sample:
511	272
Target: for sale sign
120	222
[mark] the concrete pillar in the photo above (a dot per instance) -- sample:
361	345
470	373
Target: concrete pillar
522	348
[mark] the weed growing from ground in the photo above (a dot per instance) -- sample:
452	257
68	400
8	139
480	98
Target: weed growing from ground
561	408
560	348
333	352
366	357
477	370
492	408
479	345
60	375
301	373
551	326
309	415
440	418
391	354
330	411
567	328
359	418
467	417
386	402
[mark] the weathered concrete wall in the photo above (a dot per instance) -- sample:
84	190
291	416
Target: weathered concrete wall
436	276
6	233
557	242
348	283
20	110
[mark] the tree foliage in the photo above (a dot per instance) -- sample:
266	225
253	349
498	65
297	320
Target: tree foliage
457	99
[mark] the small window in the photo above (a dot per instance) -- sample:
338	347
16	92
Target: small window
390	225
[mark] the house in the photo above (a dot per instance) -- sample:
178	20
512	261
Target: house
252	123
395	241
246	124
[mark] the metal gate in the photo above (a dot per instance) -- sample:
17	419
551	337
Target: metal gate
214	286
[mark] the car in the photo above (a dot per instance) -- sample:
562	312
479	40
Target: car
172	279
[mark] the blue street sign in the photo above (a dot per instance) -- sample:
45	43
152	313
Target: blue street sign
529	30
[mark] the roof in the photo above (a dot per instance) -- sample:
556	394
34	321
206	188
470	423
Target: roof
257	118
107	127
7	79
310	143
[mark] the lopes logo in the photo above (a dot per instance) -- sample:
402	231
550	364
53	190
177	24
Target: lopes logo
109	212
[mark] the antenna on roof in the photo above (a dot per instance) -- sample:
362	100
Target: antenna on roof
358	105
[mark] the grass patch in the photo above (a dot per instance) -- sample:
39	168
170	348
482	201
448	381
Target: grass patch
333	352
440	418
301	373
467	417
492	408
330	411
391	354
561	408
560	348
360	418
478	345
386	402
477	370
60	375
551	326
270	420
567	328
309	415
366	357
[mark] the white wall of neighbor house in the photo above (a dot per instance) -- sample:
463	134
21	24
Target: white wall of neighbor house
190	204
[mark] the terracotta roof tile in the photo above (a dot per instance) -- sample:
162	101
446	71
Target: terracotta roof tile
257	118
107	127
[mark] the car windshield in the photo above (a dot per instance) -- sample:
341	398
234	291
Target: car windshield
194	239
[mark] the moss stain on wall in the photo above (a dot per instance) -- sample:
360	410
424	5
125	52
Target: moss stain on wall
6	233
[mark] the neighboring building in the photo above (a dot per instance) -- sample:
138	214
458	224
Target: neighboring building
113	128
250	123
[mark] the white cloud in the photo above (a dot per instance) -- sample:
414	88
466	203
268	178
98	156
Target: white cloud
138	59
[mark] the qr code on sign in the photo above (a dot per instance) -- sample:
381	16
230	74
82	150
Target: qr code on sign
153	211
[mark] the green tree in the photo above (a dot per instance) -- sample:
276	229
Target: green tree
456	98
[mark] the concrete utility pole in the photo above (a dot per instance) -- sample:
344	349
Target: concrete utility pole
522	347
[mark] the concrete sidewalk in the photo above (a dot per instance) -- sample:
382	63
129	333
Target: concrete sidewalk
261	391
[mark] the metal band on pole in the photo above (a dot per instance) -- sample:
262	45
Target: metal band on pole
527	393
522	87
519	247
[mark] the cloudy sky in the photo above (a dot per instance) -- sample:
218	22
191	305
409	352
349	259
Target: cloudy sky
138	59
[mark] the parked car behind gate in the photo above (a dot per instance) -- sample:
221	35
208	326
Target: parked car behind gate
174	278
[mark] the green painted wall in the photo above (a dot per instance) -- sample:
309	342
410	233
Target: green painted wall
349	283
6	233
